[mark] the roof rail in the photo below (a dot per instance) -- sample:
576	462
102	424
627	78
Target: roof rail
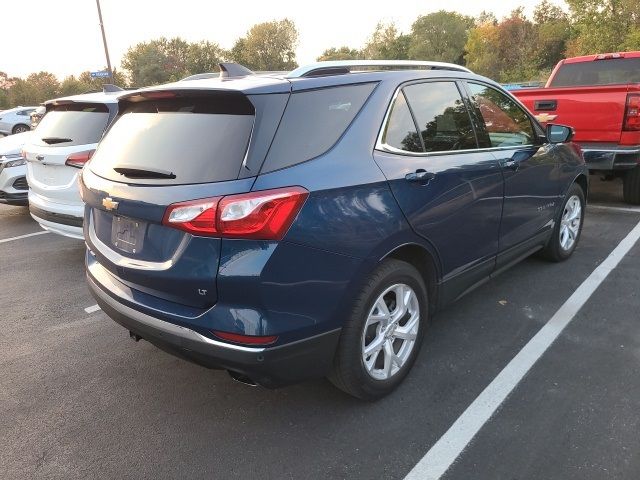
339	67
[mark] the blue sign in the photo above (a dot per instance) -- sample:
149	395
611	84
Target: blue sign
102	74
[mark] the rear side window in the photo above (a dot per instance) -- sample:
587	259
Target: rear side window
400	131
506	124
598	72
72	124
313	122
441	116
182	140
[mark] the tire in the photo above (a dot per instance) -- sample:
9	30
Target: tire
20	128
631	186
568	227
368	327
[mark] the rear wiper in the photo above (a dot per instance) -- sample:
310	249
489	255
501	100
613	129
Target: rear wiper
131	172
53	140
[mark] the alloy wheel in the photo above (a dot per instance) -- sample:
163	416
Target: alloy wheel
390	332
570	223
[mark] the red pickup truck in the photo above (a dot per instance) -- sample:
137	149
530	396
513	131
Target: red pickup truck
599	96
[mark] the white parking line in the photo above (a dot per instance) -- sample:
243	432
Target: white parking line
614	209
92	308
447	449
5	240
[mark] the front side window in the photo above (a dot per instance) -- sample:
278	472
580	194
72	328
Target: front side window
441	115
506	124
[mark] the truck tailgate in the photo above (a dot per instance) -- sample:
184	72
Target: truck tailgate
596	113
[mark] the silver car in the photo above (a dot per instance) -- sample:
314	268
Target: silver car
16	120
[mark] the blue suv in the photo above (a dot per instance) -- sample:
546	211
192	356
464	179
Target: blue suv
291	226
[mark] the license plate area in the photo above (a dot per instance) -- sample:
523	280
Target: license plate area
128	234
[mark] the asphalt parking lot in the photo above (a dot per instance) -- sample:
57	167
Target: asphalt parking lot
79	399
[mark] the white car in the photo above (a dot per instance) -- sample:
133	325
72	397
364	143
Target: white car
63	142
13	170
16	120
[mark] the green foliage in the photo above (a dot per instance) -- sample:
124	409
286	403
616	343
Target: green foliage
386	43
267	46
603	26
168	60
440	36
342	53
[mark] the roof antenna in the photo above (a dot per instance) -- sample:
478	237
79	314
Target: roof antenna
229	70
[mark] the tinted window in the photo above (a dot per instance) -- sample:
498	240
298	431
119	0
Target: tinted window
598	72
441	115
506	123
313	122
400	131
79	123
191	140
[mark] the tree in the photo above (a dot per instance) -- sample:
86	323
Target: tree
35	89
386	43
602	25
166	60
440	36
504	51
342	53
268	46
553	32
203	57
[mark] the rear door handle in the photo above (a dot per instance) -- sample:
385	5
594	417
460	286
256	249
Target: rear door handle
510	164
420	175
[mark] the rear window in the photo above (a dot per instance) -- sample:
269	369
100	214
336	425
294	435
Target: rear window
598	72
184	140
72	124
313	122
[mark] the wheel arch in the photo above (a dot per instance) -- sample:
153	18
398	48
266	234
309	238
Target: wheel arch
13	129
426	263
583	182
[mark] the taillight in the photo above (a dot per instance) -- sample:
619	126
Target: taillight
632	112
77	160
246	339
197	217
263	215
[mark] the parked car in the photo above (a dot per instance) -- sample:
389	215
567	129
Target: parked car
308	225
13	170
63	142
599	96
15	120
37	115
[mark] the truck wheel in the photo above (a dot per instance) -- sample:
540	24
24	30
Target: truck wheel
631	186
383	332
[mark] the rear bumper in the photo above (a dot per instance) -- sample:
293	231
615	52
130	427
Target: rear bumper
61	218
606	158
19	199
267	366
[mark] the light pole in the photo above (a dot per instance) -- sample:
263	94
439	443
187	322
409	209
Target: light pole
104	40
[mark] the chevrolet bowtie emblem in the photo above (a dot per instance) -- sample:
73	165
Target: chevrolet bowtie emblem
545	117
109	204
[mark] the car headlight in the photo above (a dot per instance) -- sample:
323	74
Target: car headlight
15	163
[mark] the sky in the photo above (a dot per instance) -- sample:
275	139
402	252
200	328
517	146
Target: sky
63	36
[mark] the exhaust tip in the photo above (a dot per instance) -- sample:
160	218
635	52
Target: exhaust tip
242	378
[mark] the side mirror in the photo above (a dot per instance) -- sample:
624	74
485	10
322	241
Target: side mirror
559	133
